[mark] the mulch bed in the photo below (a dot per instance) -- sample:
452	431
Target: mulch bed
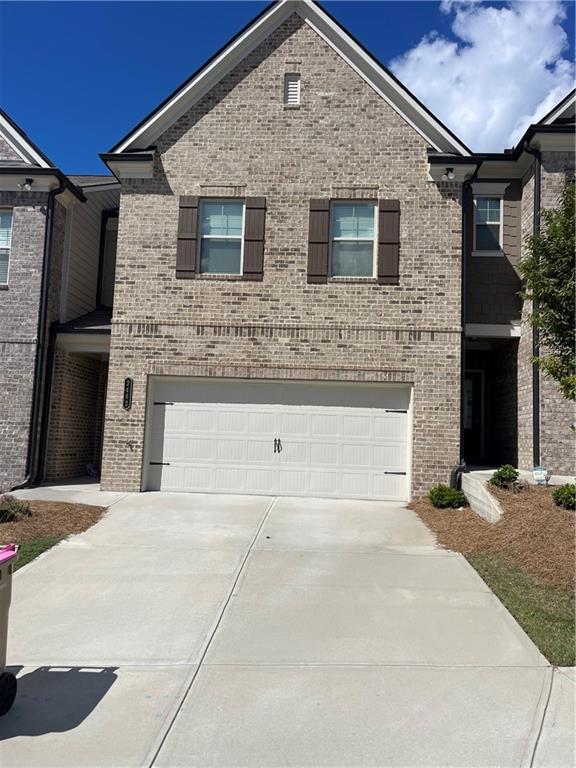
50	519
533	533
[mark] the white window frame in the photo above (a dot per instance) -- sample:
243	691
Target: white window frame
500	251
202	237
374	204
11	212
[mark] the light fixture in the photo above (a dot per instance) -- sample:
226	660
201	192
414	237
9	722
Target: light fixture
26	186
448	175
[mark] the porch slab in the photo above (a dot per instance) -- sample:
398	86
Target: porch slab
76	491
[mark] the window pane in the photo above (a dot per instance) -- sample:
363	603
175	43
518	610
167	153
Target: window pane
4	256
353	220
352	259
5	229
488	237
221	218
494	209
220	256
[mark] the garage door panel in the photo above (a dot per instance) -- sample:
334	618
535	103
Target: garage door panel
326	450
356	426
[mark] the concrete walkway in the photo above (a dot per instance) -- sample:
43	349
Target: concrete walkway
195	630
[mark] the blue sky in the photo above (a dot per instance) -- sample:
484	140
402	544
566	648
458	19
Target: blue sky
84	73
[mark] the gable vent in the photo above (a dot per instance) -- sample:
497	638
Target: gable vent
292	89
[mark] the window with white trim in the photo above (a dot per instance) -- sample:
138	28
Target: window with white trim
5	245
353	239
488	224
221	236
292	89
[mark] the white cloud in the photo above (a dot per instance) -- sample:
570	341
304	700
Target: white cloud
503	70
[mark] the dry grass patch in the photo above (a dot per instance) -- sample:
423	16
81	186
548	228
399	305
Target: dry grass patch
533	534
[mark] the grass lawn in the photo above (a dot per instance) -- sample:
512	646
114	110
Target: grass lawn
46	524
527	558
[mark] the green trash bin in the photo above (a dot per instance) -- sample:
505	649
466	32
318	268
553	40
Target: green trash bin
8	684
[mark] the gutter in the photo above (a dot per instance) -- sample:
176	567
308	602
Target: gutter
40	339
456	473
535	331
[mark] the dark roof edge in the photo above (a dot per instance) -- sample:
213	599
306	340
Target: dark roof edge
558	106
189	79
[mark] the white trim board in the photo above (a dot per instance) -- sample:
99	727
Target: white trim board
398	97
493	330
20	145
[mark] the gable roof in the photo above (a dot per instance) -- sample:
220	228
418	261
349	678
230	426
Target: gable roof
369	68
24	147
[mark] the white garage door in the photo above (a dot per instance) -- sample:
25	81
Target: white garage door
279	438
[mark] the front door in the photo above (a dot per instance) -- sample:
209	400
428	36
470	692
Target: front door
474	417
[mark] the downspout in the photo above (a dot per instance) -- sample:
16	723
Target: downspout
40	340
456	472
535	331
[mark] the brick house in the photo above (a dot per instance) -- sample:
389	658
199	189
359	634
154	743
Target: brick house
53	269
315	287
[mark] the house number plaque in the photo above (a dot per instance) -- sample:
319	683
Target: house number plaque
127	399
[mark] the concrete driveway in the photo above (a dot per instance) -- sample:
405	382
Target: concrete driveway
196	630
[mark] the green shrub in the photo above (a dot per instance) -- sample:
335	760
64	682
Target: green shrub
505	477
565	496
13	509
442	496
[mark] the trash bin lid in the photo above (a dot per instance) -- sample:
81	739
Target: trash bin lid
8	552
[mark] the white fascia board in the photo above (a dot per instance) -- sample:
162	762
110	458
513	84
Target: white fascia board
493	330
11	182
380	80
462	171
142	169
490	188
19	144
561	109
210	76
83	342
371	72
554	142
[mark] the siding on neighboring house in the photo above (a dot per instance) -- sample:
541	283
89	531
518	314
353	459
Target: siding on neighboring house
82	261
493	282
241	136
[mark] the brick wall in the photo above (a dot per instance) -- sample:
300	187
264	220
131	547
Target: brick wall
19	303
557	438
525	430
78	396
7	153
344	141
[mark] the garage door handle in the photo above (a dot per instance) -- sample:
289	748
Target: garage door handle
394	473
277	445
159	463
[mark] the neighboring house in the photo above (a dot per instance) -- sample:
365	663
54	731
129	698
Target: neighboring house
295	230
50	235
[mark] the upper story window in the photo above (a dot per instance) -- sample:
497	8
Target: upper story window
353	239
221	236
488	224
292	89
5	245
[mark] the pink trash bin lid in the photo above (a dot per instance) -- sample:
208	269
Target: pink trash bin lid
8	552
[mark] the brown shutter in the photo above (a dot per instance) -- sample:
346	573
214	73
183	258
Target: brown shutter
318	240
389	242
186	253
254	226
